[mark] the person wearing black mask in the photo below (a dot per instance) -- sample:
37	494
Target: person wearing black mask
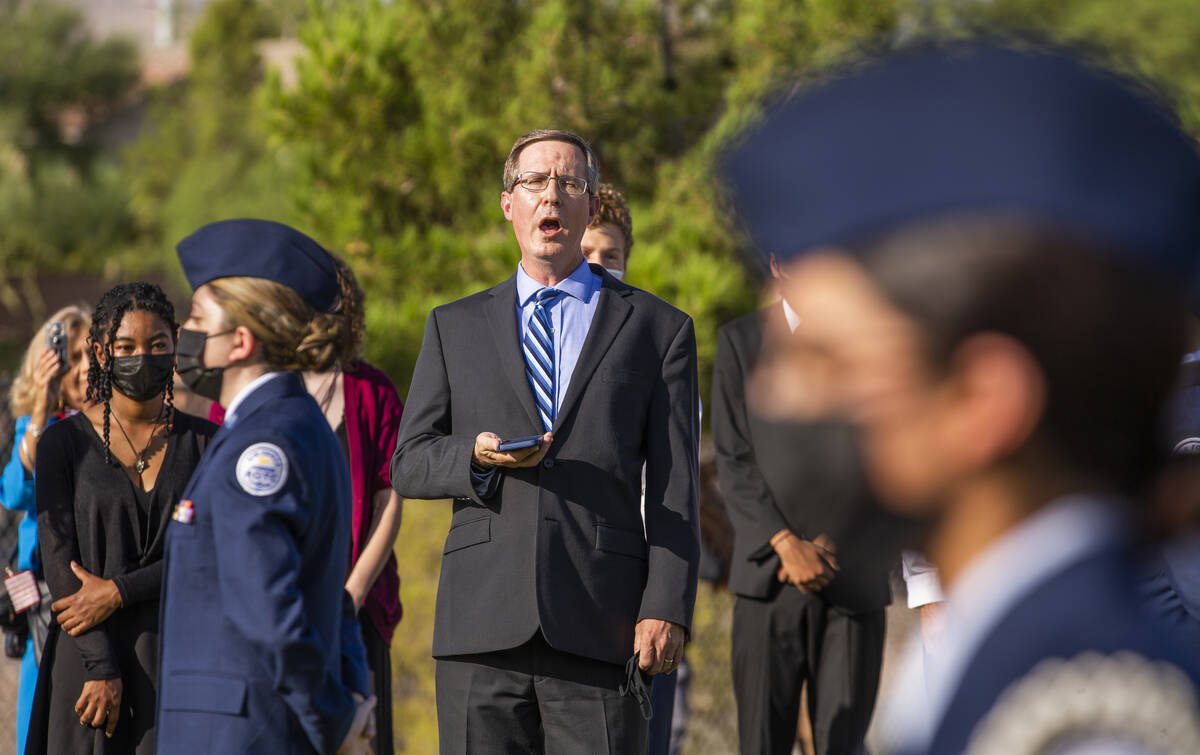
992	283
107	479
809	568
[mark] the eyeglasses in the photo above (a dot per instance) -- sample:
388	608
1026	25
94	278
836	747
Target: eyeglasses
530	180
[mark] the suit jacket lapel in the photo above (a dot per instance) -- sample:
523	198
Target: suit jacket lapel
611	313
502	314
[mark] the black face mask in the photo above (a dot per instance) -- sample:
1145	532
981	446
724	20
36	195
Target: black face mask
142	377
189	361
818	469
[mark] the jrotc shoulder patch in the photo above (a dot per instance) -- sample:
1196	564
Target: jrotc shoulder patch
1186	446
262	469
1149	705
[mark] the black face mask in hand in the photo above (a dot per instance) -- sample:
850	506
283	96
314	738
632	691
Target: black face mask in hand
142	377
189	353
637	685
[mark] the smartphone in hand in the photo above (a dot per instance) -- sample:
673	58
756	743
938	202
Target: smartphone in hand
57	341
515	444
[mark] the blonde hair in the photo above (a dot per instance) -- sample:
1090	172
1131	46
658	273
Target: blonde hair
24	388
291	334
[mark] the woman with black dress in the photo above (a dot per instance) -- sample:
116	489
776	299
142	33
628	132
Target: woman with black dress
107	479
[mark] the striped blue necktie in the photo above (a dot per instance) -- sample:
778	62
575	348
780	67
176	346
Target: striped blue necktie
539	355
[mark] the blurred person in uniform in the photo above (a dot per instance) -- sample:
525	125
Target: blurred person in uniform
608	242
552	578
810	599
261	651
1172	580
363	408
991	279
42	393
106	481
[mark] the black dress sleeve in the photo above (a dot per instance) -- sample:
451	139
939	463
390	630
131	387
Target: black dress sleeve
140	584
747	497
54	485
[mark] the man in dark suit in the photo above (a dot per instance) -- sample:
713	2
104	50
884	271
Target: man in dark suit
552	577
810	603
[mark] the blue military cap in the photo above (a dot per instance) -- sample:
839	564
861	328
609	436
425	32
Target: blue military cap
975	125
261	249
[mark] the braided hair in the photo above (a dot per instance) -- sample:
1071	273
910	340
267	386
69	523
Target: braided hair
106	320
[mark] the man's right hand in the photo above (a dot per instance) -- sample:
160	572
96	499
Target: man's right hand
486	455
804	563
362	728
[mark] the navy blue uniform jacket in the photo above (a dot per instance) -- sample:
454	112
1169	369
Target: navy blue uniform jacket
1090	606
259	647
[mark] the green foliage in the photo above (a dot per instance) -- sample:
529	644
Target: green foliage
419	559
403	113
206	155
1154	39
61	202
50	65
388	147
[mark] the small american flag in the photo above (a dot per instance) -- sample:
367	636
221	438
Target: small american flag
22	590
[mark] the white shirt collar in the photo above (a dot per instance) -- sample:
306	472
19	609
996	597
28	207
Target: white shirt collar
789	314
1062	533
231	410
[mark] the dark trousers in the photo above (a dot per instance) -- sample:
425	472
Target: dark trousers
535	699
669	697
792	638
379	662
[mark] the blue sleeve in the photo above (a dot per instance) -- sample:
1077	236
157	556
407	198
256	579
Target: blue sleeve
16	486
484	482
258	573
355	673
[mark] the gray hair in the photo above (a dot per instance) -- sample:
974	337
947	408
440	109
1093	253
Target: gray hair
552	135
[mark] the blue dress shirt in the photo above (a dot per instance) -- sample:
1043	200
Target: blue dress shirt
571	316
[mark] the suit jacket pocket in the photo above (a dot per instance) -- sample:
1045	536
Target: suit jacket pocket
468	533
618	375
204	692
616	540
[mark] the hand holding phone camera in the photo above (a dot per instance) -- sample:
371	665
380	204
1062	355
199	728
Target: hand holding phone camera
57	341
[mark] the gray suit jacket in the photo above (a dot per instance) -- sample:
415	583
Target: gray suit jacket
559	546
